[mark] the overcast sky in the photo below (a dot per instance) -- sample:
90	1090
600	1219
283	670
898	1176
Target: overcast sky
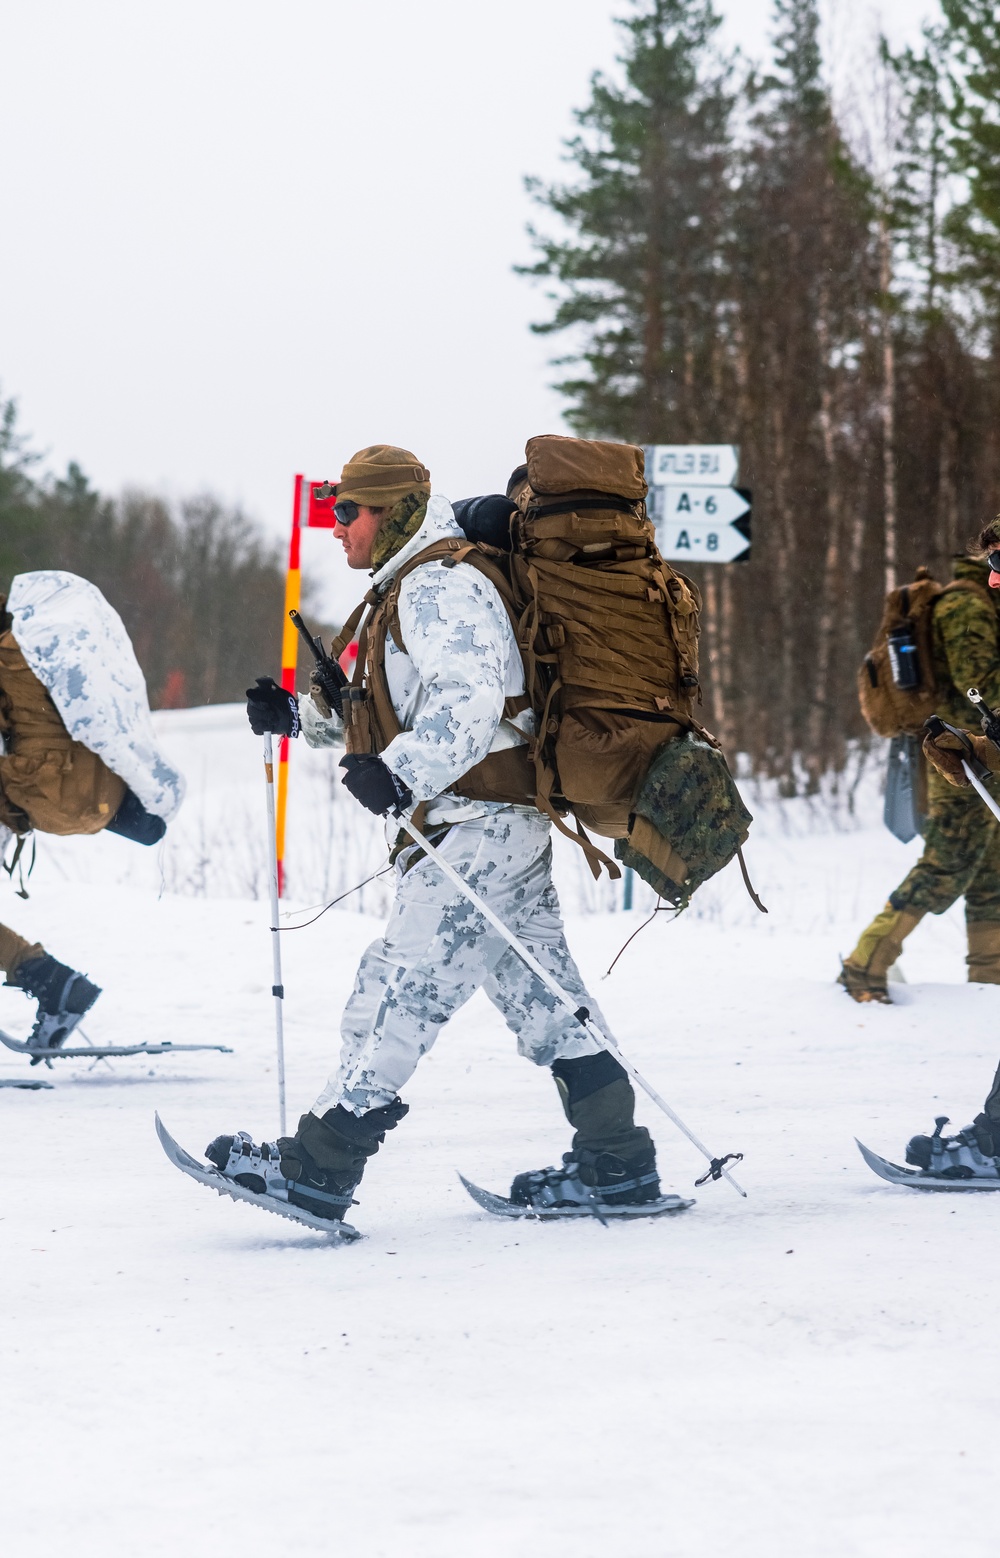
242	239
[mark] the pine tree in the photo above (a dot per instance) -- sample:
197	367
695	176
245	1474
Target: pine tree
973	33
638	278
921	167
936	387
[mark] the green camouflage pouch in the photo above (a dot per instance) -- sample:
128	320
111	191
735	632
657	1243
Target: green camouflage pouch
688	820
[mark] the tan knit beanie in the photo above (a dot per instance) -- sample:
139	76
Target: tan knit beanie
380	475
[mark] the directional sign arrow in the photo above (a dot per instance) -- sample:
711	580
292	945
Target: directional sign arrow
699	541
721	505
711	465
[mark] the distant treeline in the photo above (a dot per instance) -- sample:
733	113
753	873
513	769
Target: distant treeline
199	588
740	257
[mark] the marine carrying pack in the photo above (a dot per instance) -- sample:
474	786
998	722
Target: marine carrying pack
897	684
608	635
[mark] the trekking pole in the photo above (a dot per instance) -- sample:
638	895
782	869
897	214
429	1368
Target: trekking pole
981	790
717	1166
991	729
277	988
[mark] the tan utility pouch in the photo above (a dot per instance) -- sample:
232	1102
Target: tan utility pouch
48	781
357	721
602	754
507	777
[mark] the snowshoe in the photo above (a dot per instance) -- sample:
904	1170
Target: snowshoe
264	1171
63	997
589	1179
503	1206
952	1157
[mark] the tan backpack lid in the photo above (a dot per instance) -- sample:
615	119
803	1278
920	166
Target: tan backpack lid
558	465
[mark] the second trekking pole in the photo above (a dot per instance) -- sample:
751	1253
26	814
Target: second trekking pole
277	988
991	729
717	1166
975	771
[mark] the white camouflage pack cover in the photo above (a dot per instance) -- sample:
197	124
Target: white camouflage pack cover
77	646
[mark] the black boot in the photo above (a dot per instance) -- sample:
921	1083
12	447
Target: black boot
63	997
612	1160
318	1168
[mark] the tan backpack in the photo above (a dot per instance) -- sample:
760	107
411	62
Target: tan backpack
608	633
48	781
607	630
897	684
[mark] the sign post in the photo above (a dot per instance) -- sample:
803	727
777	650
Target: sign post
700	517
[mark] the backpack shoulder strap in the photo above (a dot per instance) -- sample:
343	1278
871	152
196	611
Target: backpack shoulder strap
350	628
969	586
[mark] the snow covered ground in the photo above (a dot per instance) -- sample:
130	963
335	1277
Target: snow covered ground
806	1372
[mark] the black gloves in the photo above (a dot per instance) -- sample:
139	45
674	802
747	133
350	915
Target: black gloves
271	708
374	785
133	821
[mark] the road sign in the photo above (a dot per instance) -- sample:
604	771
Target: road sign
702	465
720	505
699	541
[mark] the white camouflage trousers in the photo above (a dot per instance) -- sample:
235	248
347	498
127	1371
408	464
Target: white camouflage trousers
437	950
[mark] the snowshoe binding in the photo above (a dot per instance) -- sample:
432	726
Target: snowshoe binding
553	1193
63	996
271	1170
620	1189
588	1179
954	1157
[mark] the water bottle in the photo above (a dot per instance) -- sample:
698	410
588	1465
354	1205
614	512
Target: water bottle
903	657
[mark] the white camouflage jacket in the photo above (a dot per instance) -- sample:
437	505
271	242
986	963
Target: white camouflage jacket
448	689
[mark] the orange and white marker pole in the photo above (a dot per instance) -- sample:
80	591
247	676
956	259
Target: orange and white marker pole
308	511
289	658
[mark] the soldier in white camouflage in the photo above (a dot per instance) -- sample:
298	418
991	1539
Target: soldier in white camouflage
452	673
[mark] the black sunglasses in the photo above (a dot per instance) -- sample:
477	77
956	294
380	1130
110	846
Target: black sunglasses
994	561
346	511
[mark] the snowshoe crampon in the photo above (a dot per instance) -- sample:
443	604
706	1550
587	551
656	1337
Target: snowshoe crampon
206	1174
503	1206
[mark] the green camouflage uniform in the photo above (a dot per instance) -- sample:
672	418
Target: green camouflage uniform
961	839
961	855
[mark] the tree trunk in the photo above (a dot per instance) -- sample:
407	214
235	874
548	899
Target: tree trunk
888	406
818	755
